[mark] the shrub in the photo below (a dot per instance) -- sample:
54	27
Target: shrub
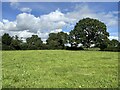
74	48
103	46
114	49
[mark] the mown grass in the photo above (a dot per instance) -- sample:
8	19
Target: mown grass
59	69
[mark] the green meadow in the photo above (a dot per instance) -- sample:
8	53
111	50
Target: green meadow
59	69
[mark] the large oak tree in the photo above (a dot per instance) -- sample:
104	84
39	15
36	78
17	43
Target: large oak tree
88	31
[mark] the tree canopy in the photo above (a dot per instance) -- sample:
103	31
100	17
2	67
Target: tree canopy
57	40
87	32
114	43
6	39
34	42
15	42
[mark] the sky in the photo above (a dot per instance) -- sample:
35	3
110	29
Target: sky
41	18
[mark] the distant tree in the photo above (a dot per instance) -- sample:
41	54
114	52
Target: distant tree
53	41
6	41
113	43
44	46
63	36
103	45
87	32
119	46
16	43
57	40
34	42
73	39
23	46
0	43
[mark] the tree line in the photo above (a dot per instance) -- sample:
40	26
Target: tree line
86	33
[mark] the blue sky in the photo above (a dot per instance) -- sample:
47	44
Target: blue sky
41	18
40	8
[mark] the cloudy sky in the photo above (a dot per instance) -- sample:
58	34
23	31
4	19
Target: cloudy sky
41	18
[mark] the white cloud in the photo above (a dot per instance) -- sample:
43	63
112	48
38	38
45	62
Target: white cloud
83	11
7	25
21	34
26	9
53	16
10	26
41	26
25	33
15	5
113	37
5	21
56	31
27	22
1	25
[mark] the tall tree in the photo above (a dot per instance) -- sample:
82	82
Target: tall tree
0	43
63	38
34	42
16	42
6	41
57	40
88	31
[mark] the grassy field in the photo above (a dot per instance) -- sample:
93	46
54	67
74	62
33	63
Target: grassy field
59	69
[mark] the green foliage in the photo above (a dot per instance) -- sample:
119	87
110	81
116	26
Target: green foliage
0	43
24	46
103	45
59	69
6	39
87	32
74	48
92	49
6	47
15	43
114	49
57	40
34	42
113	43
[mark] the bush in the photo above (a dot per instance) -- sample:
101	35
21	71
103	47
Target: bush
24	46
103	46
92	49
7	47
74	48
114	49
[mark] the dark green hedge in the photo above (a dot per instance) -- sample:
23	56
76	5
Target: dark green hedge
114	49
74	48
